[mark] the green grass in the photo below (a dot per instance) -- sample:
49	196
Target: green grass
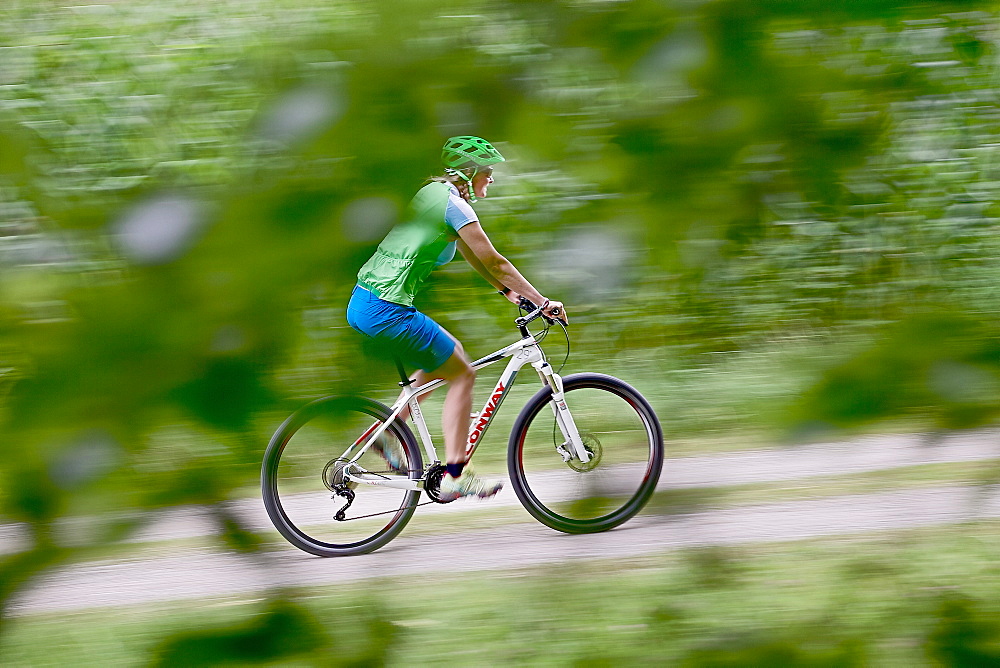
879	598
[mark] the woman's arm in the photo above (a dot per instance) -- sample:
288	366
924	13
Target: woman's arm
471	258
478	251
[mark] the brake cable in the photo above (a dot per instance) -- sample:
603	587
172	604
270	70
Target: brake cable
566	334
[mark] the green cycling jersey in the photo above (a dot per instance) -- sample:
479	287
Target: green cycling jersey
414	247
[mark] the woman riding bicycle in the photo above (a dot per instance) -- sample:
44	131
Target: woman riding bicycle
440	219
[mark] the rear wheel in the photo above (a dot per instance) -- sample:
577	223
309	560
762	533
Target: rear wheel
619	429
306	493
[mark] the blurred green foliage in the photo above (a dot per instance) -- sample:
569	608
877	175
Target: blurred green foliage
282	632
965	634
286	632
765	651
186	191
947	361
921	597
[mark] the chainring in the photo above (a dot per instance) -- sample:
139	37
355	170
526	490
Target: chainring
432	482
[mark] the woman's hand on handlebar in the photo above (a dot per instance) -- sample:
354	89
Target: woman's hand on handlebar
556	311
552	311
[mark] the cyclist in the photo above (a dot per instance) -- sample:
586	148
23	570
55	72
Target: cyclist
440	219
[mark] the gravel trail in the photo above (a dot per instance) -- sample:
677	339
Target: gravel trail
200	574
208	573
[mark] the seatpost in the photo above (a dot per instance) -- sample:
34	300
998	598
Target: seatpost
404	379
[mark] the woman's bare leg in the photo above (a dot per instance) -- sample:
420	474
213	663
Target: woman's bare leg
459	481
455	418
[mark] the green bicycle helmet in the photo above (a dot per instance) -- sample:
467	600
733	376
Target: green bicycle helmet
468	151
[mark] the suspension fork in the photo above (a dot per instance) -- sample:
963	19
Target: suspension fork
563	416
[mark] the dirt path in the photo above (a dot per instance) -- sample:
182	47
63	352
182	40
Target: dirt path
208	573
862	455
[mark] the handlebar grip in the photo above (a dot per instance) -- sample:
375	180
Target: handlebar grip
535	311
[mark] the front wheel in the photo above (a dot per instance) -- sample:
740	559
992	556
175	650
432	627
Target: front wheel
619	429
306	494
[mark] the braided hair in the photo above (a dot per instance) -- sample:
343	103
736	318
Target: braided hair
456	180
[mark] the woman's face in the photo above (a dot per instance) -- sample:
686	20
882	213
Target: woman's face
481	181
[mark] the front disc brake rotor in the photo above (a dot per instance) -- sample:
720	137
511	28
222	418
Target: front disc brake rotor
593	446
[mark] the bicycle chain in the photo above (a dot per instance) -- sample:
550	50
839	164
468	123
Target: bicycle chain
340	517
386	512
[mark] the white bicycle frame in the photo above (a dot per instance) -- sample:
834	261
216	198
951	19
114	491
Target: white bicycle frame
526	351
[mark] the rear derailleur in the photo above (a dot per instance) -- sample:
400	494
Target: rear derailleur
333	478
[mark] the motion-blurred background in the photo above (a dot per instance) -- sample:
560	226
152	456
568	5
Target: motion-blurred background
777	218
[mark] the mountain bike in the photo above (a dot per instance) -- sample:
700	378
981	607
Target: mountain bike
343	475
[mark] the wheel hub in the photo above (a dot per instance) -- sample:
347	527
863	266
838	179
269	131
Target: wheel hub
593	446
333	475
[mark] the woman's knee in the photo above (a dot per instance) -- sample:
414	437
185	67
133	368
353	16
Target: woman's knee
457	368
467	375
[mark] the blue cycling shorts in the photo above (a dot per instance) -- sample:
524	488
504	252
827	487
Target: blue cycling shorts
400	331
